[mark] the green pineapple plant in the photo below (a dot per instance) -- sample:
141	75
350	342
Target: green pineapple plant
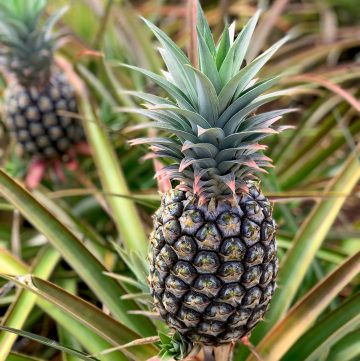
313	314
39	100
213	261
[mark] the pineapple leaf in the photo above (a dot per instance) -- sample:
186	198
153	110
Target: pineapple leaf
195	119
50	343
239	82
29	45
223	47
214	122
245	99
207	63
264	120
168	119
152	99
204	29
175	347
208	99
173	90
51	22
210	149
213	136
235	121
175	61
181	134
235	57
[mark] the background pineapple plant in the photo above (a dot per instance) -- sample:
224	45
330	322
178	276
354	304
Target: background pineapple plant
99	222
213	256
39	102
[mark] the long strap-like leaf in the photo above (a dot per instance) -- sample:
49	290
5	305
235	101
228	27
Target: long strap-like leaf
289	329
75	253
307	242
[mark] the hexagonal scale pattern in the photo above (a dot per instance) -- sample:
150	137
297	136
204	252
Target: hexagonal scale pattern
37	117
213	273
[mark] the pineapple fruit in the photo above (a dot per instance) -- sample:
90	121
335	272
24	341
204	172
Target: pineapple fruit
39	100
213	259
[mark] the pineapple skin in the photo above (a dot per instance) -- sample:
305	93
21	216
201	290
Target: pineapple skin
33	115
213	267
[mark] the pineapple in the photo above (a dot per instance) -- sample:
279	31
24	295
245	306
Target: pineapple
213	259
39	99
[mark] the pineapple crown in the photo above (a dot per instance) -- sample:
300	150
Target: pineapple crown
214	147
26	46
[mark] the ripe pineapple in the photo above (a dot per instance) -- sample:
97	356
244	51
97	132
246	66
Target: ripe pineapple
213	256
39	100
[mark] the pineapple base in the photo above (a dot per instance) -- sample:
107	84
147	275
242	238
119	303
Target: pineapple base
34	117
213	267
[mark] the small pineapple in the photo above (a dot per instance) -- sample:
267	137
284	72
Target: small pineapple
213	259
39	100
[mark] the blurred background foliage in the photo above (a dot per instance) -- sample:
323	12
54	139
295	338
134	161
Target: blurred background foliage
93	224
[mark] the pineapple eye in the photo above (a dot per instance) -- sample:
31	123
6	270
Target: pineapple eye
270	252
185	248
231	271
168	255
189	317
157	282
173	196
253	211
229	224
252	297
170	302
191	220
219	311
250	232
172	211
232	293
257	315
208	237
240	317
234	335
233	249
196	301
267	294
206	262
213	328
175	323
171	231
267	274
267	232
157	239
176	286
198	338
208	284
255	255
251	277
185	271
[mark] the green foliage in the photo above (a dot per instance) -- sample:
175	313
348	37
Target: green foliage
28	45
174	347
91	231
211	101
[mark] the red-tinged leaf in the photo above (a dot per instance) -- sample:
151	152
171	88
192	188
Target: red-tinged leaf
59	171
35	173
186	162
312	78
201	130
